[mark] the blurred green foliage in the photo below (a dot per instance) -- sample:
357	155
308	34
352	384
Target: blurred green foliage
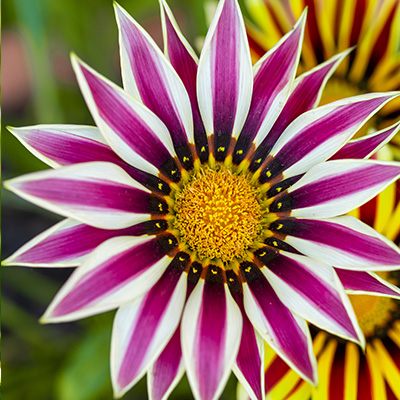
65	361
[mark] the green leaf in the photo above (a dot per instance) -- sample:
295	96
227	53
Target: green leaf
86	374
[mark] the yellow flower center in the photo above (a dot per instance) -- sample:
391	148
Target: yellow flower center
374	313
218	214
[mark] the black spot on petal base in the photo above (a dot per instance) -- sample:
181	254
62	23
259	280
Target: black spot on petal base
185	156
214	275
250	272
194	273
171	170
266	255
167	243
235	286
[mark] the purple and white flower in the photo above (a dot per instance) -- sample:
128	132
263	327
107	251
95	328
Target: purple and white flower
206	206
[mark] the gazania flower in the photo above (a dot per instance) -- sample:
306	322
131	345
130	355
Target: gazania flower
206	207
344	370
333	26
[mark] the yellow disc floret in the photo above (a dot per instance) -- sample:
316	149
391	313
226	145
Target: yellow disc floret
218	214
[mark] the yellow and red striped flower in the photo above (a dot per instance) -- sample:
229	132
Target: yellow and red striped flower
373	27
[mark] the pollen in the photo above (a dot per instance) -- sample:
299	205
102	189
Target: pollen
218	214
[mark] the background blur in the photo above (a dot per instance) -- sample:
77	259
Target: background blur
66	361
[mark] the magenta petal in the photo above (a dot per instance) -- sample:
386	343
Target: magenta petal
286	333
142	329
343	242
98	194
60	145
119	270
68	242
305	96
316	135
184	61
269	95
211	331
336	187
225	79
148	76
365	146
367	283
312	290
113	109
249	367
168	369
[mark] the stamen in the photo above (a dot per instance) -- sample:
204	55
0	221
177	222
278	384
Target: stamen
219	214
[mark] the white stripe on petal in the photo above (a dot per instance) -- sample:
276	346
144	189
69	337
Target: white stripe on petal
337	187
142	329
107	113
310	303
345	242
149	77
195	336
232	109
86	192
116	273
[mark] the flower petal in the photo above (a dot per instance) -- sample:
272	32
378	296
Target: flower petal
316	135
274	74
336	187
306	93
366	146
149	77
344	242
286	333
119	271
142	329
312	290
211	331
360	282
249	365
167	370
60	145
225	79
133	132
67	243
98	194
184	60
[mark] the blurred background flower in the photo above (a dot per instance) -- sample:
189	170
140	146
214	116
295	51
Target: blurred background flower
333	26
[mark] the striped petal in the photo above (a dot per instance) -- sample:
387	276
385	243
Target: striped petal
360	282
67	243
286	333
343	242
142	329
317	134
312	290
133	131
366	146
184	60
98	194
225	79
336	187
60	145
306	94
211	332
117	272
148	76
270	95
249	365
167	370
